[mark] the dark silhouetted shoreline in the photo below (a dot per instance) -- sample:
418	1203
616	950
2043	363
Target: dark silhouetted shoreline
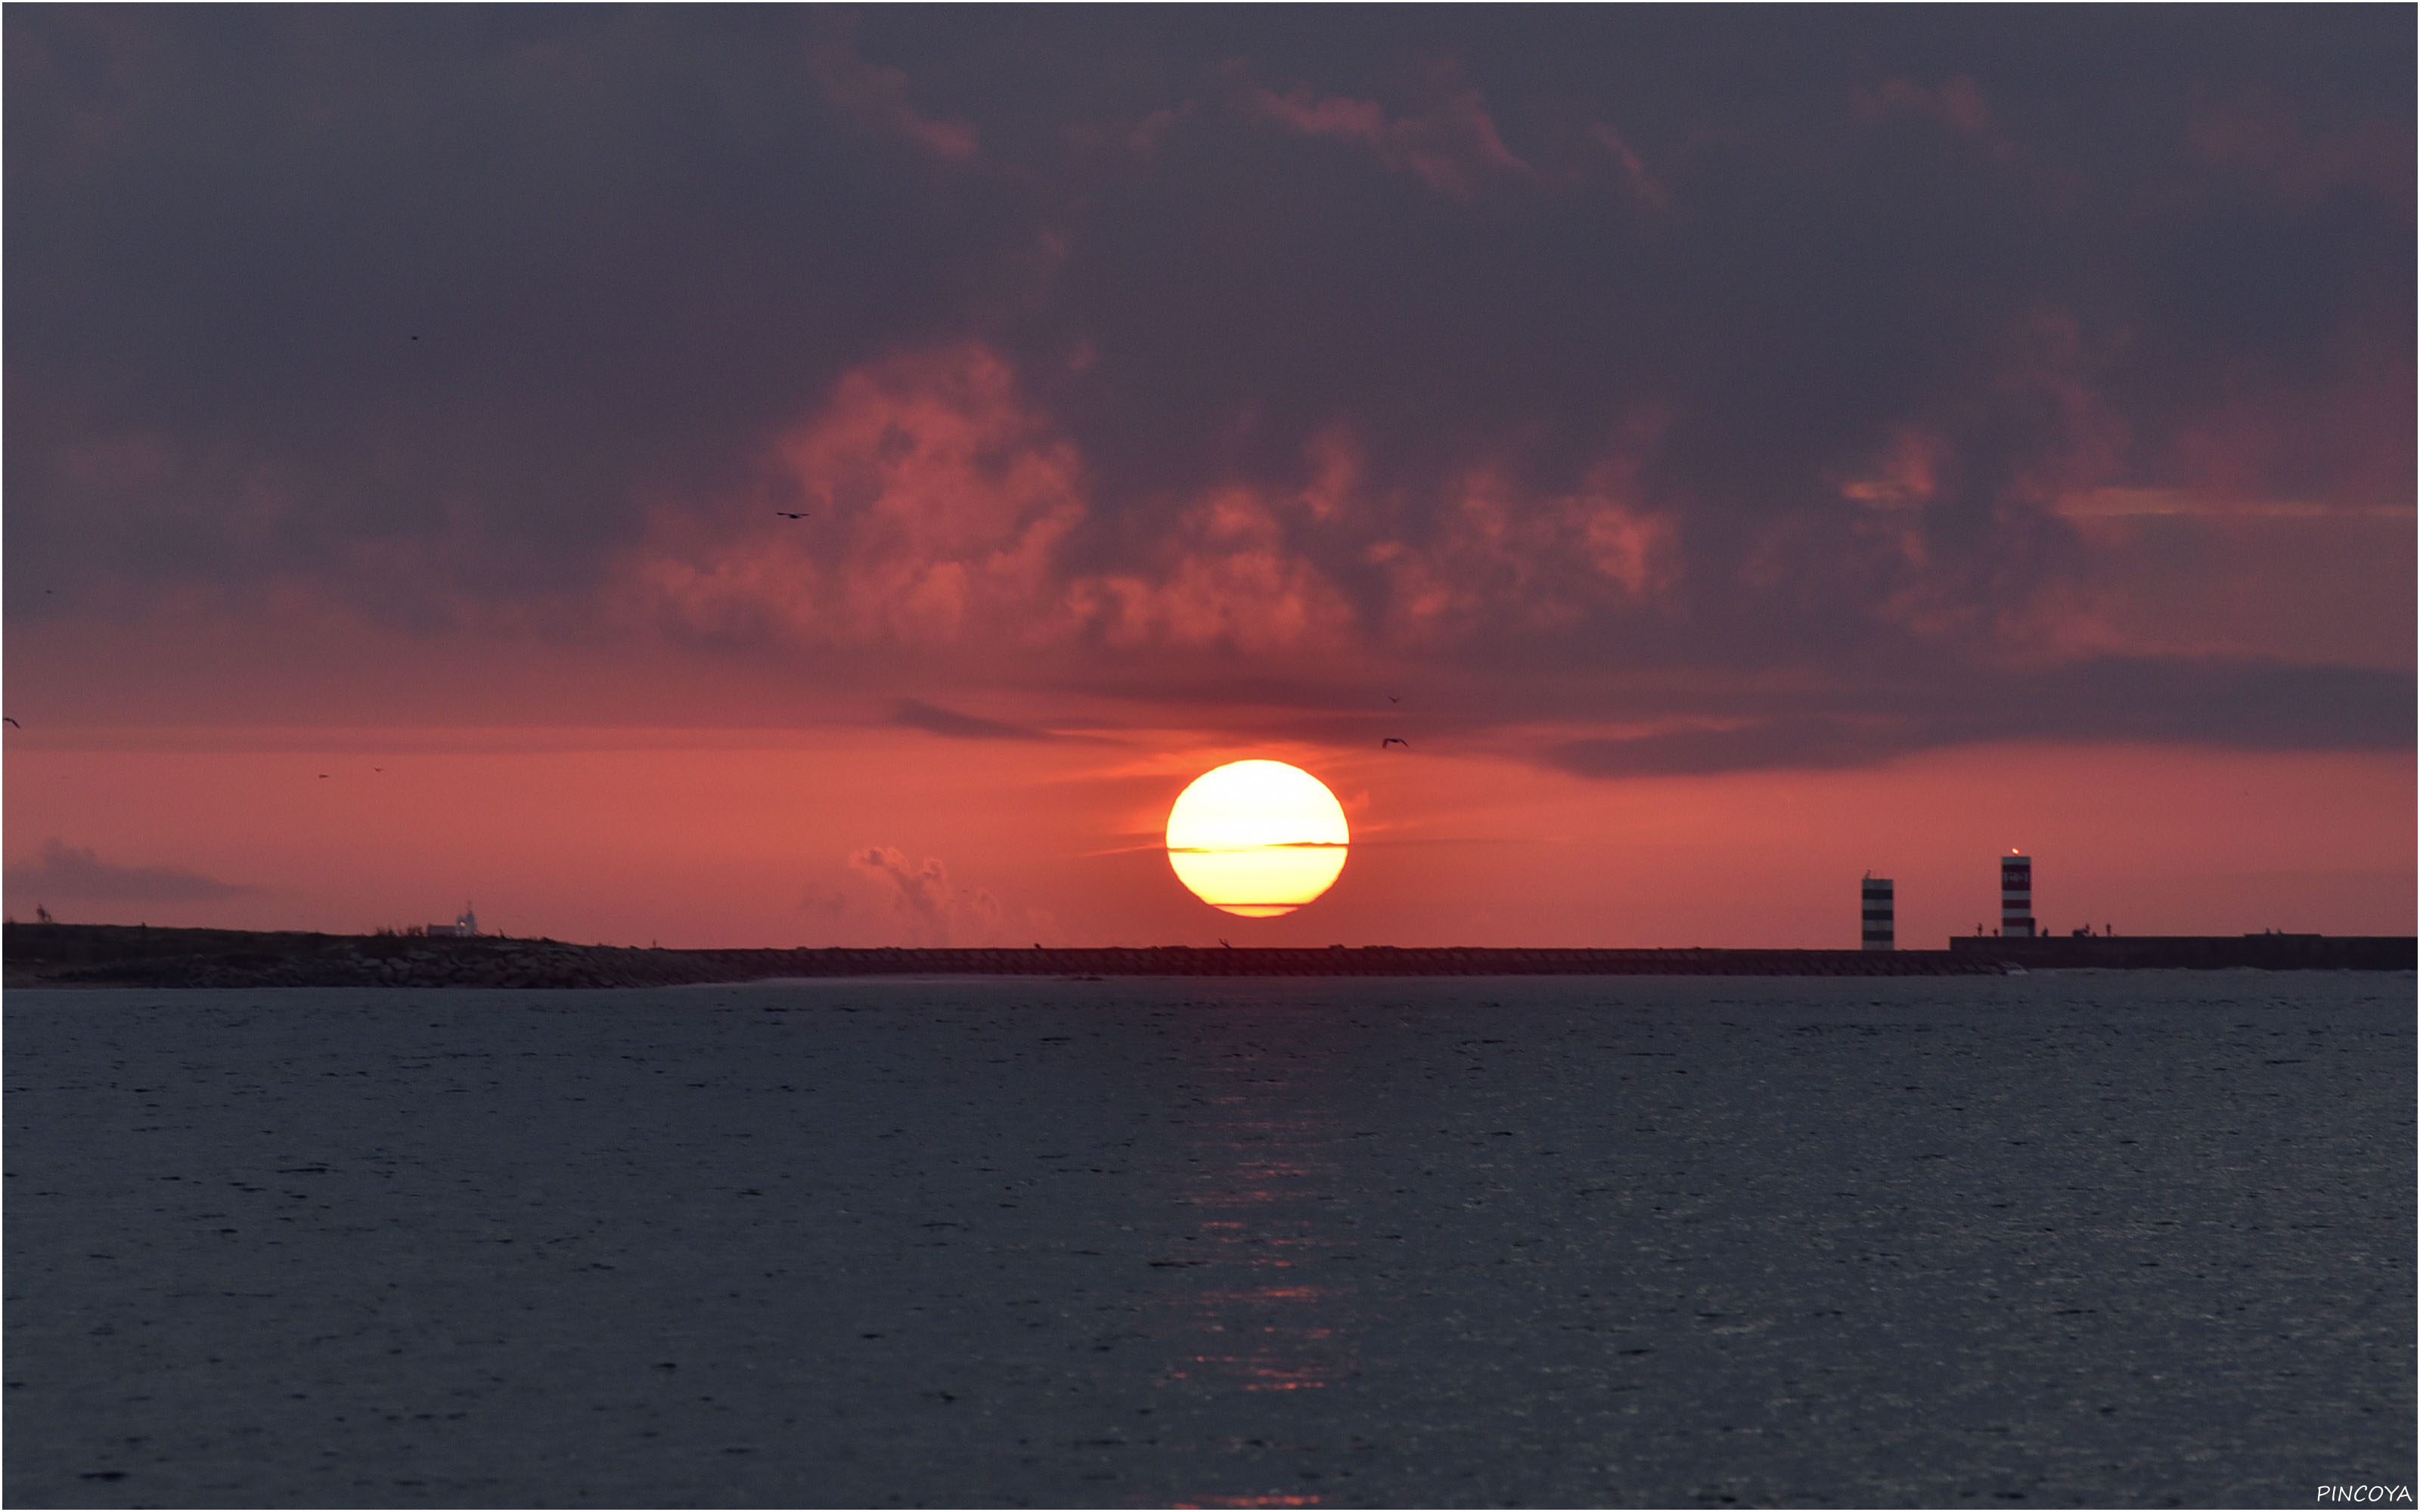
137	956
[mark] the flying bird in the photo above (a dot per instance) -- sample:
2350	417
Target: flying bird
1394	740
11	721
787	515
1392	699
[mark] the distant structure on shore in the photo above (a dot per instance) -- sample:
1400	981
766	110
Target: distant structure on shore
1875	903
465	926
1877	906
128	955
2016	897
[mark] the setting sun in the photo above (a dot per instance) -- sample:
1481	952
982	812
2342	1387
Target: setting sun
1258	838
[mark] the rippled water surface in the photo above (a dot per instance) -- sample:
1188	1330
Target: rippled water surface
2095	1239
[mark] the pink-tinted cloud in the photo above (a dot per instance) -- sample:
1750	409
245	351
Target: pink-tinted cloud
1500	560
1139	136
940	502
1453	146
2260	134
1225	576
948	512
2342	436
944	509
935	500
915	714
1957	105
1951	471
389	369
1906	474
2164	572
1636	177
76	874
875	96
927	907
1956	102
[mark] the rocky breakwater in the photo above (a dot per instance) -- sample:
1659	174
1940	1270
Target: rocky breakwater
118	956
497	963
113	955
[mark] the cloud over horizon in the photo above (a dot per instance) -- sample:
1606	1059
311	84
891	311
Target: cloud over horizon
79	874
1725	398
929	908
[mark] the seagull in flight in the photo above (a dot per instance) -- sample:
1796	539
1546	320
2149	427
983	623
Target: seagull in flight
11	721
787	515
1394	740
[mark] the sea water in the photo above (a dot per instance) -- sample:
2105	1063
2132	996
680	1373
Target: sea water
2096	1238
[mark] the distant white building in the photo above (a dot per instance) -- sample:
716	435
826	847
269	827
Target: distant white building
465	925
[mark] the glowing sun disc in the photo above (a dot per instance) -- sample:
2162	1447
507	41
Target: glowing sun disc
1257	838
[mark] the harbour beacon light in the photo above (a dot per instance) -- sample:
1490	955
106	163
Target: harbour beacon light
2016	897
1874	896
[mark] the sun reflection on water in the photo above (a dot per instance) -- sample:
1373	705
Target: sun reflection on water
1268	1240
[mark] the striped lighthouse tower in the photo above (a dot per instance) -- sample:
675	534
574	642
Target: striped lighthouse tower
1874	899
2016	897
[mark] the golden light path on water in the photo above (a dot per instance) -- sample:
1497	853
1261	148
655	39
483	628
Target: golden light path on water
1257	837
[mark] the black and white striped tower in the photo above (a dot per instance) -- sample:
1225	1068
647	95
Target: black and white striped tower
2016	897
1874	896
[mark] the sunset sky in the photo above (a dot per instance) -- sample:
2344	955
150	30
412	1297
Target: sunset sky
1737	450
